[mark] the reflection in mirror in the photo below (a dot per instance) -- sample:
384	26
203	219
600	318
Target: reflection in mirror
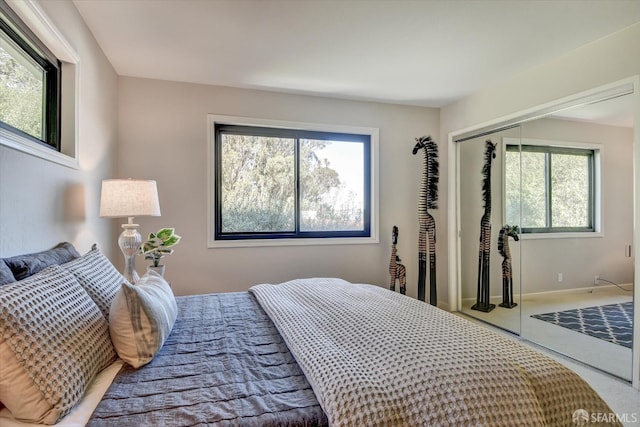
490	254
566	181
576	201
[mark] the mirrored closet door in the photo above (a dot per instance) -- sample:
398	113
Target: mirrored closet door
489	247
577	230
545	223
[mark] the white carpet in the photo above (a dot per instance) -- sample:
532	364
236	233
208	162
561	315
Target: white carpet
604	355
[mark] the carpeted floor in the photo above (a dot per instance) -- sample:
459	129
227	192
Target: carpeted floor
612	322
617	393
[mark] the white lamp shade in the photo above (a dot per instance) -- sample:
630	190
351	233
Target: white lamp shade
128	198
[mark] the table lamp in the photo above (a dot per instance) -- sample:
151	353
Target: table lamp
128	198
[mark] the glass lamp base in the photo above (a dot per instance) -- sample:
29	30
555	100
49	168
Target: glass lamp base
130	241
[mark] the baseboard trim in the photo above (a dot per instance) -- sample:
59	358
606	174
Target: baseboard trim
444	306
594	288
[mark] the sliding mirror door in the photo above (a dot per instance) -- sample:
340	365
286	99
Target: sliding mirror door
489	260
576	232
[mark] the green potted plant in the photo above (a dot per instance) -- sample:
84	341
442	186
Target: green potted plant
158	245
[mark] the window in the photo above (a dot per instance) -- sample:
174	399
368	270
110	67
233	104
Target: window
29	83
286	183
550	189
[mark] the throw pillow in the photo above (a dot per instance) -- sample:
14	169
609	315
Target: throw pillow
26	265
98	277
54	340
141	318
6	276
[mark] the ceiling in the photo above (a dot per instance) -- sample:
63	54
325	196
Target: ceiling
617	111
426	53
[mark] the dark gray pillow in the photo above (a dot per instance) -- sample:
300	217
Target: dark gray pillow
6	276
26	265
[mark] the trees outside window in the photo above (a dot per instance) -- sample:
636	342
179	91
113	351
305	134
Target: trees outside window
29	83
550	189
285	183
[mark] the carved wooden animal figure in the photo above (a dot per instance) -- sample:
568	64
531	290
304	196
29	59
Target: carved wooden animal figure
428	200
507	273
482	298
397	271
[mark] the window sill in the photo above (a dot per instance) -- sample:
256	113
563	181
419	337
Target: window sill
19	143
248	243
565	235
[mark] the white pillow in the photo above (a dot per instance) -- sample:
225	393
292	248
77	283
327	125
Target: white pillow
53	341
141	318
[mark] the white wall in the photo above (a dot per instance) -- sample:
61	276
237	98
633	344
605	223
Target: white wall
43	203
163	136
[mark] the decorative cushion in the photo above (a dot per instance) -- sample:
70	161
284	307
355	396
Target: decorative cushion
53	341
98	277
6	276
141	318
26	265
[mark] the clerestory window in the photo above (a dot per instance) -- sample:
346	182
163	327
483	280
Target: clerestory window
29	83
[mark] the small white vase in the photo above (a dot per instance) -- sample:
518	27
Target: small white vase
159	269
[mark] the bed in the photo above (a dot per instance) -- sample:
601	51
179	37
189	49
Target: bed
309	352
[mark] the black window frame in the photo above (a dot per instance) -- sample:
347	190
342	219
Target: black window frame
297	135
32	47
548	151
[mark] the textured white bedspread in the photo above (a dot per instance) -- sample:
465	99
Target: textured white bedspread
375	357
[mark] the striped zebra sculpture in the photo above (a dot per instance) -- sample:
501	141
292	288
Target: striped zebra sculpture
507	273
484	273
397	271
428	200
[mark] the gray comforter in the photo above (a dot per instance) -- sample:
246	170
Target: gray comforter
224	364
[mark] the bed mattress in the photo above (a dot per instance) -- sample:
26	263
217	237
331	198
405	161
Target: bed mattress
223	364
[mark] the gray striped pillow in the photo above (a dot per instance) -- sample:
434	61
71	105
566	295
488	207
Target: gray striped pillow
141	318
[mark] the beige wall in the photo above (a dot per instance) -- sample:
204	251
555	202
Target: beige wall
163	136
42	203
